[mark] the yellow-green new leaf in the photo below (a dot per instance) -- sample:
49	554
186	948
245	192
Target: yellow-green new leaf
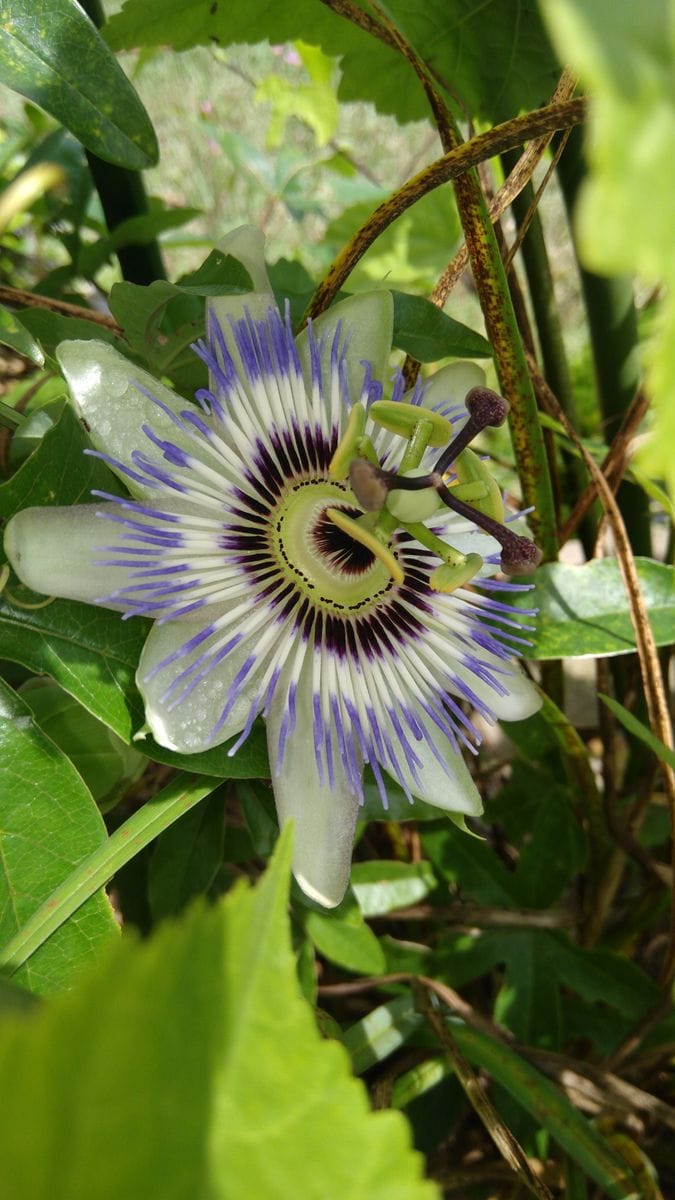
195	1058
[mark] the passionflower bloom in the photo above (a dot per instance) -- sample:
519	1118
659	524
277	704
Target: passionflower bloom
311	552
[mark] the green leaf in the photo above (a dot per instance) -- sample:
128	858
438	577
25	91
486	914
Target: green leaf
554	849
186	858
410	254
229	1090
380	887
529	1000
14	334
631	723
106	764
583	611
627	67
499	60
343	937
92	653
50	328
428	334
472	865
386	1028
139	230
250	761
381	1033
219	275
162	319
257	805
48	823
551	1109
605	977
156	815
51	53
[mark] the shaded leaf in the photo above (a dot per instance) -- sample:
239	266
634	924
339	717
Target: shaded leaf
380	886
13	333
472	865
529	1000
106	764
631	723
427	333
498	57
186	858
343	937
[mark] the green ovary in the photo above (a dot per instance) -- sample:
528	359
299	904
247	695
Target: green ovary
326	565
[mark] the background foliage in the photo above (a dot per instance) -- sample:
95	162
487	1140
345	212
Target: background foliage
482	1016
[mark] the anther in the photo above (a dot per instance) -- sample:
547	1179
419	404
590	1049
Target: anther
485	408
371	485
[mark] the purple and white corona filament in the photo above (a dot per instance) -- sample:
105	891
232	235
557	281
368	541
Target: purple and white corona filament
357	635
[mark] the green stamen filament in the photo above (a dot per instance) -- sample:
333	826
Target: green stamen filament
348	447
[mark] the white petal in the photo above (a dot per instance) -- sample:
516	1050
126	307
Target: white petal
105	386
187	726
450	385
53	550
447	784
522	699
324	819
368	319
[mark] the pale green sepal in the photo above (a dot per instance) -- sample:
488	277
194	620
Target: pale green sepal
368	319
459	820
522	699
53	550
451	384
247	245
187	727
104	387
325	819
447	784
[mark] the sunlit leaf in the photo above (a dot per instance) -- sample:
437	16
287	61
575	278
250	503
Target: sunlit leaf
175	1026
48	823
583	611
52	53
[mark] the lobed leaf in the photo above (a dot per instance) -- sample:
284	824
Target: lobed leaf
174	1026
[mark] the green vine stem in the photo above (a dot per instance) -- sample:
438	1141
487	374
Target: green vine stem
495	300
549	332
122	195
444	169
613	329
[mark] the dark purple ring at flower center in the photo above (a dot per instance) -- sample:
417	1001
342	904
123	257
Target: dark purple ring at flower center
335	545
